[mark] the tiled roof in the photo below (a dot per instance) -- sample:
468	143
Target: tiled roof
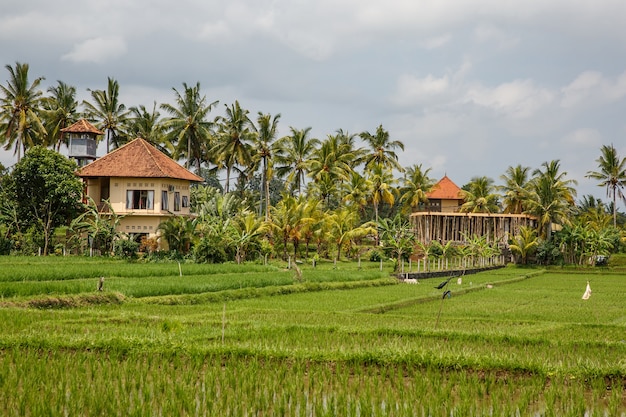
138	159
445	189
82	126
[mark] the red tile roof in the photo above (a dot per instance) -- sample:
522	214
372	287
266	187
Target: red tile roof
445	189
137	159
82	126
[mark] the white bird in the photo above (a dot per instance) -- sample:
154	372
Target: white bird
587	293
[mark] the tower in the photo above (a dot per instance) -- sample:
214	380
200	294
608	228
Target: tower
82	141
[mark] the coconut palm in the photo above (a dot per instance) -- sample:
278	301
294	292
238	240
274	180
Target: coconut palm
612	175
234	137
552	197
416	184
149	126
515	189
344	227
381	149
265	148
294	160
108	113
188	127
248	228
355	191
59	112
525	243
178	232
382	189
479	196
20	123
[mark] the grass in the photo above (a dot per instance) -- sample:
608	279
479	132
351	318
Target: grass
253	340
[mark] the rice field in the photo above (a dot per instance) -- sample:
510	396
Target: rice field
255	340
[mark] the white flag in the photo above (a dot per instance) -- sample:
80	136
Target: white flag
587	293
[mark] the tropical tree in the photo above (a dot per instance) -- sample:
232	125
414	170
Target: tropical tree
552	197
108	113
234	137
612	175
396	236
265	149
149	126
381	149
248	229
294	160
100	227
416	184
355	191
480	197
287	221
188	127
344	228
60	110
516	189
525	243
178	232
382	189
45	190
330	166
20	123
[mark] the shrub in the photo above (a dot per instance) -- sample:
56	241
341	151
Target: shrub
126	249
376	255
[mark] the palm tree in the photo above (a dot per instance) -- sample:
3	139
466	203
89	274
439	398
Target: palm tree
330	166
187	127
525	243
355	191
516	189
19	120
178	232
60	111
294	160
552	197
108	113
416	184
248	228
382	149
479	196
265	149
149	126
382	190
612	175
233	140
344	227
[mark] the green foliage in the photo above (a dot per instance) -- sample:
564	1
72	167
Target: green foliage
44	190
126	248
211	249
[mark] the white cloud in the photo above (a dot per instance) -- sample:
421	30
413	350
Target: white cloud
486	33
588	138
518	99
97	50
411	89
592	87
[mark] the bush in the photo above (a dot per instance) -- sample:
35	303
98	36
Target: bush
6	245
376	255
126	249
212	250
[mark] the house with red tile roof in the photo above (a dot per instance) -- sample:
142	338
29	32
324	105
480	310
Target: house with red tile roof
141	183
442	221
445	196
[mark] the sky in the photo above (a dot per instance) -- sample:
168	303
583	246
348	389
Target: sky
470	87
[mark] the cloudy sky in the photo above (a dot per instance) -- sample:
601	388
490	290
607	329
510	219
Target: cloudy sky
470	86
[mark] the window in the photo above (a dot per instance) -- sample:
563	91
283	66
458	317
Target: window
164	200
185	201
176	201
140	199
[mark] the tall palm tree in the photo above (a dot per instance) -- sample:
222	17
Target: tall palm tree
149	126
612	175
294	161
479	196
60	111
330	165
188	127
265	147
416	184
355	191
19	118
108	113
552	196
381	149
516	189
234	137
382	189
